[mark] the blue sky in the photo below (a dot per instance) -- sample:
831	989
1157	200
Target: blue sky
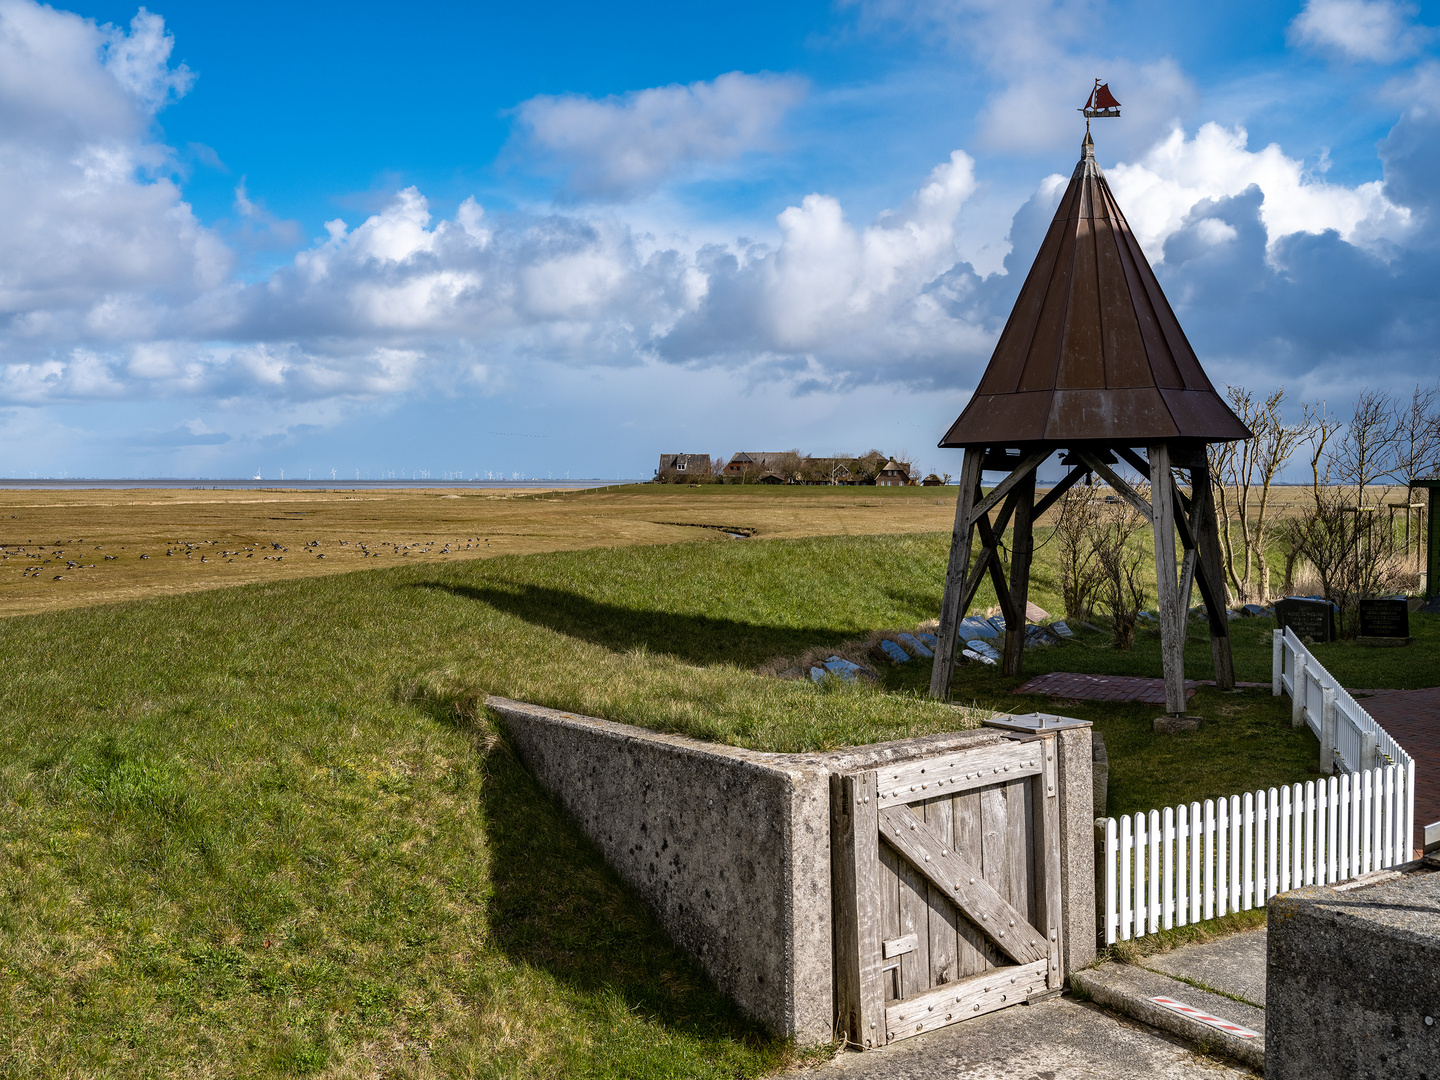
506	238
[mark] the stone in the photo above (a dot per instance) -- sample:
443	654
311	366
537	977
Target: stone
842	668
816	674
928	640
979	658
1253	610
998	622
1385	618
916	646
1174	725
1352	982
894	652
1307	617
972	628
1035	613
1061	629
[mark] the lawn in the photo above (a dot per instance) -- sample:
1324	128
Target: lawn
268	830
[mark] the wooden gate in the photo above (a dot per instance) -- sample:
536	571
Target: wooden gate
946	888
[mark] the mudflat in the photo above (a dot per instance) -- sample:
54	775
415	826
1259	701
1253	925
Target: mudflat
61	549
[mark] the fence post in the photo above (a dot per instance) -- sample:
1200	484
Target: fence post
1277	662
1327	730
1299	685
1367	749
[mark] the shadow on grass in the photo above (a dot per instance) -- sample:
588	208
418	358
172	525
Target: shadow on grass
558	906
695	639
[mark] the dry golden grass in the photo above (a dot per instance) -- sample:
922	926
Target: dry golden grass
223	538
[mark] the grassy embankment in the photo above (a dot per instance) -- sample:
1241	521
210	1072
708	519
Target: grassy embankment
267	831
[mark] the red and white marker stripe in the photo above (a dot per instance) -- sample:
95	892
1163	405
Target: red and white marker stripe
1206	1018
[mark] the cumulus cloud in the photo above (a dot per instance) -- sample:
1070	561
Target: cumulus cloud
1380	31
628	144
94	235
1158	191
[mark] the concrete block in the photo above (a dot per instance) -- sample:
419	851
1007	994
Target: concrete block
1100	771
730	848
1352	982
1077	846
1175	725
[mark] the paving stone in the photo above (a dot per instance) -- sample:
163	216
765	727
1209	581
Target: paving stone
1412	717
1059	1039
1110	687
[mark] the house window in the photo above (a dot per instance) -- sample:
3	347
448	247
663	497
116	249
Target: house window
680	466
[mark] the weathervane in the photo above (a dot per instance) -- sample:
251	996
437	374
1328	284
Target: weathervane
1100	103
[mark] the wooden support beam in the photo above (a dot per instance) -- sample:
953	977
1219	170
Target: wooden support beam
1172	641
1211	576
1022	550
1027	467
991	539
988	553
1127	492
1052	496
955	574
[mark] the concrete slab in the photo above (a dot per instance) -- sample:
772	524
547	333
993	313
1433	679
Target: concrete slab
1233	965
1060	1039
1129	990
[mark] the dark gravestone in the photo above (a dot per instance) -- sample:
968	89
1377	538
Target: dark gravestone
1384	618
1313	619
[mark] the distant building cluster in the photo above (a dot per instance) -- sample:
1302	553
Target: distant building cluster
791	467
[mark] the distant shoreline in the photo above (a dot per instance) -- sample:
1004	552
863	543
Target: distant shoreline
238	484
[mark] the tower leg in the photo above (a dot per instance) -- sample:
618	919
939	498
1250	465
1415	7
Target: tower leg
1167	587
1211	573
1022	550
955	573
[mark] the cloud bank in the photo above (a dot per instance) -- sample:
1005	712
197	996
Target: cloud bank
112	290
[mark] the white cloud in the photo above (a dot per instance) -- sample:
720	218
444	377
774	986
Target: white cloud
1381	31
628	144
1158	191
91	236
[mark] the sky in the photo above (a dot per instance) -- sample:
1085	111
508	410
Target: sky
440	240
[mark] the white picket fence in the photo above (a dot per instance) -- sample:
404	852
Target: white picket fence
1185	864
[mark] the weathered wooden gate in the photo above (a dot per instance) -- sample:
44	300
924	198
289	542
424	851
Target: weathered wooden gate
947	888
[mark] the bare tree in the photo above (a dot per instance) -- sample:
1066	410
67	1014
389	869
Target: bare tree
1075	527
1119	560
1244	473
1417	441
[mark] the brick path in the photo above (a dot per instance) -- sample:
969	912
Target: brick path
1412	717
1067	684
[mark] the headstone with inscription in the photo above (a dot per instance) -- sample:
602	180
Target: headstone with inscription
1386	618
1313	619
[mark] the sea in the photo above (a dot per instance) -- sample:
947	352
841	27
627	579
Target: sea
203	483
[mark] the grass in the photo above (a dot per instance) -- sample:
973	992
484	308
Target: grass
268	831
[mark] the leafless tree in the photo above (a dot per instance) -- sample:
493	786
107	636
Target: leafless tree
1244	473
1075	528
1119	560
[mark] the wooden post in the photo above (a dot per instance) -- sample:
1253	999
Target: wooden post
1167	588
1022	549
955	571
855	879
1211	568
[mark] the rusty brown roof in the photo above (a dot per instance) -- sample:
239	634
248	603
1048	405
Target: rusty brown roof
1092	350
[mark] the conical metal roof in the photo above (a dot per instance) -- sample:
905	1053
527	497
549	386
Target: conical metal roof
1092	351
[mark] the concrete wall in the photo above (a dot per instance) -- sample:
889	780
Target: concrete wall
731	848
1352	982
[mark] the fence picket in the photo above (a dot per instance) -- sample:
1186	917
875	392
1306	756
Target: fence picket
1180	864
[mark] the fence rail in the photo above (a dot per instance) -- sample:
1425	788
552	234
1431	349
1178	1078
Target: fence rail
1188	863
1349	736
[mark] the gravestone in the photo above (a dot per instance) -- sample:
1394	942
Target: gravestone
1313	619
1388	618
894	652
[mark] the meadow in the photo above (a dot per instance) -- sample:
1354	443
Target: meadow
270	830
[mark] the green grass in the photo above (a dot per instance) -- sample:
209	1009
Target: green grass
268	831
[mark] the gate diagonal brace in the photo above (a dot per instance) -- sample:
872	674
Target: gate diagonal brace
962	882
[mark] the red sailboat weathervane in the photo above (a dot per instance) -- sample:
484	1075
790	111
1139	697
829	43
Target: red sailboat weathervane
1100	103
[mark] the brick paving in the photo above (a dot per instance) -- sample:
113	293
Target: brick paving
1068	684
1412	717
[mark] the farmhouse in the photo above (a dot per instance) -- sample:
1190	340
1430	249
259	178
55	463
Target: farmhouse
893	474
675	467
